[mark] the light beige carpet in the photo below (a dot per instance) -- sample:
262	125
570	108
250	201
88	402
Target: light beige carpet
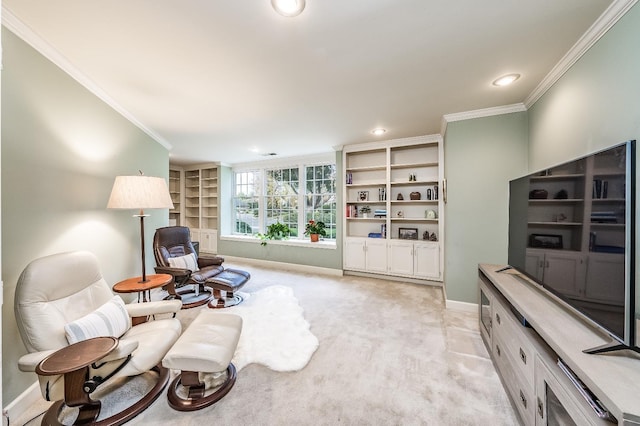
389	354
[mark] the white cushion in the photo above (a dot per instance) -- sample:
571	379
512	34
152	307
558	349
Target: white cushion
110	319
188	261
207	345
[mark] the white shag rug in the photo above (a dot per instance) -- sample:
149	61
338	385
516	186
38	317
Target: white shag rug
274	331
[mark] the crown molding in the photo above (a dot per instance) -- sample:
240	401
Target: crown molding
480	113
275	162
412	140
20	29
608	19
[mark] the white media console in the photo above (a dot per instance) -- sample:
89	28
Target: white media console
526	356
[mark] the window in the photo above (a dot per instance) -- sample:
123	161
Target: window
291	195
281	198
245	202
320	196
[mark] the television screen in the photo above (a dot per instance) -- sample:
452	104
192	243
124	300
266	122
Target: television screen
571	231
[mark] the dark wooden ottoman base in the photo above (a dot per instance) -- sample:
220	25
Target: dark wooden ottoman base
228	281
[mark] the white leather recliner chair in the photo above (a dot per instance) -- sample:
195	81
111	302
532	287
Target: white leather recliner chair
63	298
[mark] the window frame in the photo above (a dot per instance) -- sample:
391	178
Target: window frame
301	163
235	197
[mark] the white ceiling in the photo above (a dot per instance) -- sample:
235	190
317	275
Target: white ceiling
216	79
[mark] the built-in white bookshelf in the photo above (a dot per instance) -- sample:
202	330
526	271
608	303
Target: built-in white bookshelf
392	207
197	188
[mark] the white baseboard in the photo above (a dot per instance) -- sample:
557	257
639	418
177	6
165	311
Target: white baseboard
454	305
394	278
21	404
282	265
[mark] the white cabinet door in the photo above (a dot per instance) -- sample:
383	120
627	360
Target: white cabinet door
376	258
534	263
196	236
401	257
354	254
565	272
605	278
427	260
209	241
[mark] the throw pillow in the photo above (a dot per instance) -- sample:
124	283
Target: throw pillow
110	319
188	261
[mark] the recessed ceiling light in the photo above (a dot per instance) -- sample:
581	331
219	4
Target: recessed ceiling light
379	131
506	80
288	8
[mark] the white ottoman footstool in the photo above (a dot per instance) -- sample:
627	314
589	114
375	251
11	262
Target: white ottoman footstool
202	354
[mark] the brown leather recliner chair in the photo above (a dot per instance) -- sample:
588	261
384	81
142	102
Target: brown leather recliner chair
195	277
175	255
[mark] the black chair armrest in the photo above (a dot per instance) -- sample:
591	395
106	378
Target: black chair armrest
204	261
176	272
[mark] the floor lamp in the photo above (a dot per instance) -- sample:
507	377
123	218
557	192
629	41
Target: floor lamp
139	193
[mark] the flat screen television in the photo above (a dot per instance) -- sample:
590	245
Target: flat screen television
572	231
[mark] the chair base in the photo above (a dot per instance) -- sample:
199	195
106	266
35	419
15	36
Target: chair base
190	299
196	399
219	302
89	412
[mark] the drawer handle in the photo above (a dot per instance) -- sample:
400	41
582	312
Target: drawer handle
523	399
498	350
498	318
540	409
523	356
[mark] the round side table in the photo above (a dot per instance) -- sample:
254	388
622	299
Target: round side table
135	285
73	361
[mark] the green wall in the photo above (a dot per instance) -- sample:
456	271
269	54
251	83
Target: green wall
595	104
592	106
61	150
320	257
481	156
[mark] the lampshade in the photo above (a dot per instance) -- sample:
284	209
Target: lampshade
140	192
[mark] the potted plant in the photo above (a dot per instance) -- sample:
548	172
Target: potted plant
314	230
275	231
364	211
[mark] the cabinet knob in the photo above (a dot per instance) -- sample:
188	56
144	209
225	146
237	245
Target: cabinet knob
498	350
523	356
498	318
523	399
540	409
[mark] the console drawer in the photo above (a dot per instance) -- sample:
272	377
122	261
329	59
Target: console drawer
520	392
514	338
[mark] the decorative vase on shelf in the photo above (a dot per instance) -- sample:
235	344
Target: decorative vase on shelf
314	237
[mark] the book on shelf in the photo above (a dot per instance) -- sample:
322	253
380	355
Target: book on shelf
600	188
382	194
604	217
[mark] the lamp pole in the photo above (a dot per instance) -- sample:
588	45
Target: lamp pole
144	268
